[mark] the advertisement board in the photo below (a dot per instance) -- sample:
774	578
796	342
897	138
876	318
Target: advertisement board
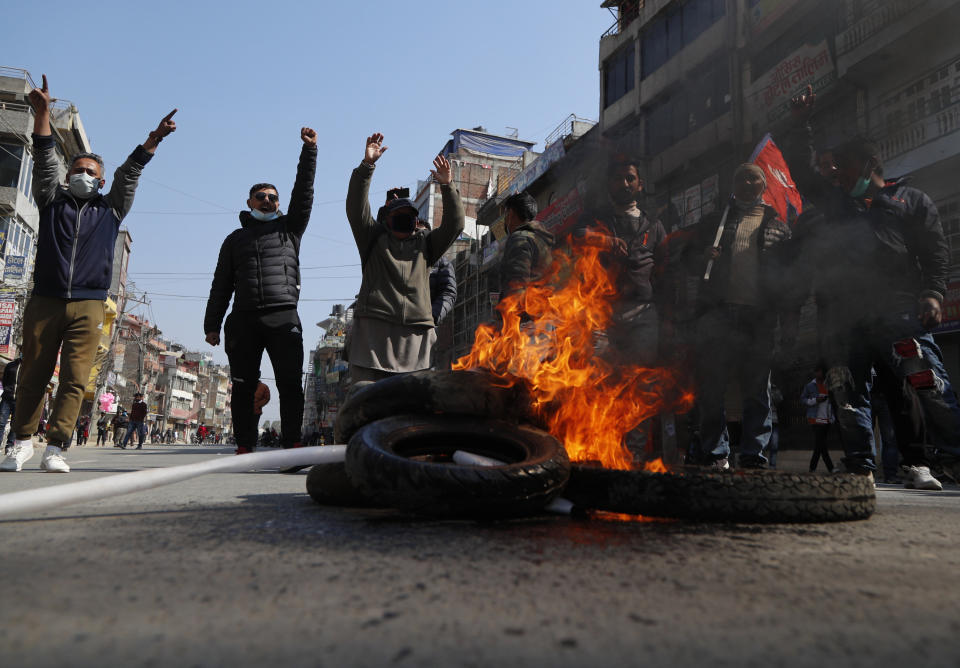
770	94
8	309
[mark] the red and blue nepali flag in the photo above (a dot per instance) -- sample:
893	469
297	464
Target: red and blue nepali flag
781	192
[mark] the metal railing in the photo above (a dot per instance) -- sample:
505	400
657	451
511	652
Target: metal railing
627	12
566	128
874	22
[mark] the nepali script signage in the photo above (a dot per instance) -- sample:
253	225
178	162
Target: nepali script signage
15	267
809	65
7	310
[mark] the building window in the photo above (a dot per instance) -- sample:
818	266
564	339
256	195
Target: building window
676	28
618	75
11	155
701	99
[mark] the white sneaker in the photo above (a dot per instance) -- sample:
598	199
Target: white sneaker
919	477
20	454
53	461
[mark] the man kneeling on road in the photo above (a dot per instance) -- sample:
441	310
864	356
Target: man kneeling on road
77	231
393	326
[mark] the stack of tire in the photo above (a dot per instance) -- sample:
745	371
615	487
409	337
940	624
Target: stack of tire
402	433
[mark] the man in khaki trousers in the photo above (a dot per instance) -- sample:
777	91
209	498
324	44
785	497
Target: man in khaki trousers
77	231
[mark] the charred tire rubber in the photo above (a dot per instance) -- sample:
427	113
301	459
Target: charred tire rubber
329	485
427	392
381	461
740	496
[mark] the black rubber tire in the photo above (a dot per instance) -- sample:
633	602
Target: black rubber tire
427	392
379	462
329	485
739	496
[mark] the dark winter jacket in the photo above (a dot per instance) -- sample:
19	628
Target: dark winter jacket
138	411
527	255
879	256
259	264
635	279
11	374
396	272
772	248
443	289
75	239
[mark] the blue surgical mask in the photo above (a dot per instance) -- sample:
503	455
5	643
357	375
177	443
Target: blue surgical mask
264	217
860	187
83	185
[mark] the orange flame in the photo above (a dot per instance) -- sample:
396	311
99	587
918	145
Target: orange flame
547	341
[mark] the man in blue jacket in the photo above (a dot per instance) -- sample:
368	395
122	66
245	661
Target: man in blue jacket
77	230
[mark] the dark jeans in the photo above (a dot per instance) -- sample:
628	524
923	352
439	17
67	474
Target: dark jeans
246	335
734	342
911	377
820	432
6	414
136	428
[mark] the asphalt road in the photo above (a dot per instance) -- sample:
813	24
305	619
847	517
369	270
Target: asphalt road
245	570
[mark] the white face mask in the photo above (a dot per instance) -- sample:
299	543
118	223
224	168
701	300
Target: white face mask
83	185
260	215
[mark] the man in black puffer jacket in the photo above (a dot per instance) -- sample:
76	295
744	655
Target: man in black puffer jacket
259	265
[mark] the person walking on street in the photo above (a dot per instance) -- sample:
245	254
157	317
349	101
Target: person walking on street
102	426
8	400
259	265
121	422
816	398
138	417
77	232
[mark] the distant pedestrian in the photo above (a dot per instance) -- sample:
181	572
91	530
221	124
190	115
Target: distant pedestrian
816	397
11	373
138	417
63	320
102	424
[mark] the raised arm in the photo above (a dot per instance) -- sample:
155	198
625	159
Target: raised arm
46	169
453	220
301	199
127	176
358	202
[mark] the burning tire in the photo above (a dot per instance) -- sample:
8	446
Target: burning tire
426	392
756	496
329	485
406	461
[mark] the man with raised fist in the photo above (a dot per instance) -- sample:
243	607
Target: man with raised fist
259	265
77	230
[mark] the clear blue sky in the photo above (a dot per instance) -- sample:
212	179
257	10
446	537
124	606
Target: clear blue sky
247	75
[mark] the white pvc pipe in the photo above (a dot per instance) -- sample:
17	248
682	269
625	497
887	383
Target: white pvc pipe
48	498
464	458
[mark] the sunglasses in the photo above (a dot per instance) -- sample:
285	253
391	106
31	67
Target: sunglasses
262	196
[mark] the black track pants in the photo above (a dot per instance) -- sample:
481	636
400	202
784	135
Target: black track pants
246	335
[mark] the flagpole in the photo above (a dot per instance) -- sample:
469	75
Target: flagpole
716	241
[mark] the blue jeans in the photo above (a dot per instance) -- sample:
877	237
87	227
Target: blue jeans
6	415
734	341
137	428
911	376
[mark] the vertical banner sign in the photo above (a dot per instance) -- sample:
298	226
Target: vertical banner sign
7	310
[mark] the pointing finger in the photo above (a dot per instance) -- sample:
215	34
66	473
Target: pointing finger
45	89
169	116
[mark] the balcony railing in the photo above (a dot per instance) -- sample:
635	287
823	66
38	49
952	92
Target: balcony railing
874	22
627	12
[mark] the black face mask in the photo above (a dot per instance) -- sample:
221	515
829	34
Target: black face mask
403	222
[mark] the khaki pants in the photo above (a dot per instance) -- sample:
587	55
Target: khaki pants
48	324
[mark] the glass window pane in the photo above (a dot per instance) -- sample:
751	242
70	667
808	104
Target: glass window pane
10	157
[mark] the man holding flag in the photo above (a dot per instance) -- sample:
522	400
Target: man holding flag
737	311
